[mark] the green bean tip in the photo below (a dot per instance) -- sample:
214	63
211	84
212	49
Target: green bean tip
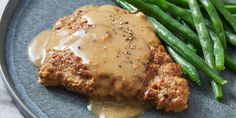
199	83
224	82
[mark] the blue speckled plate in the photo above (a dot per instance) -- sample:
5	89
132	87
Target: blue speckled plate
34	100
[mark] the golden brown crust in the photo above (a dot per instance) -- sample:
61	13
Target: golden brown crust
62	68
169	93
158	56
167	90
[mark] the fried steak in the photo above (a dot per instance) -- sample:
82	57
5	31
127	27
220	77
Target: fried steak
124	60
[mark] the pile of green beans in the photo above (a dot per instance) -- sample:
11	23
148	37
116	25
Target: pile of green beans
179	12
208	34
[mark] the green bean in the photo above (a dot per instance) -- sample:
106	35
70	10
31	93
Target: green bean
181	3
230	62
127	6
231	8
215	19
175	10
167	6
229	3
192	47
203	34
231	38
166	19
187	68
182	49
218	51
184	3
182	21
227	15
217	90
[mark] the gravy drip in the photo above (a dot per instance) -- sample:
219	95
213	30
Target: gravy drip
116	110
36	49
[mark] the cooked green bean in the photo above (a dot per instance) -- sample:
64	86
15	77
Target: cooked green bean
230	62
229	3
182	21
166	19
218	51
231	8
182	49
227	15
167	6
231	38
127	6
184	3
217	90
215	19
192	47
181	3
203	34
187	68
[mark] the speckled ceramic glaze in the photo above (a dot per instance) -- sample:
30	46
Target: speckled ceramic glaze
34	100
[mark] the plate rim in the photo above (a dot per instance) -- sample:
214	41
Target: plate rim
4	23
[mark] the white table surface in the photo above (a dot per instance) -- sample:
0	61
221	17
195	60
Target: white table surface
7	107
